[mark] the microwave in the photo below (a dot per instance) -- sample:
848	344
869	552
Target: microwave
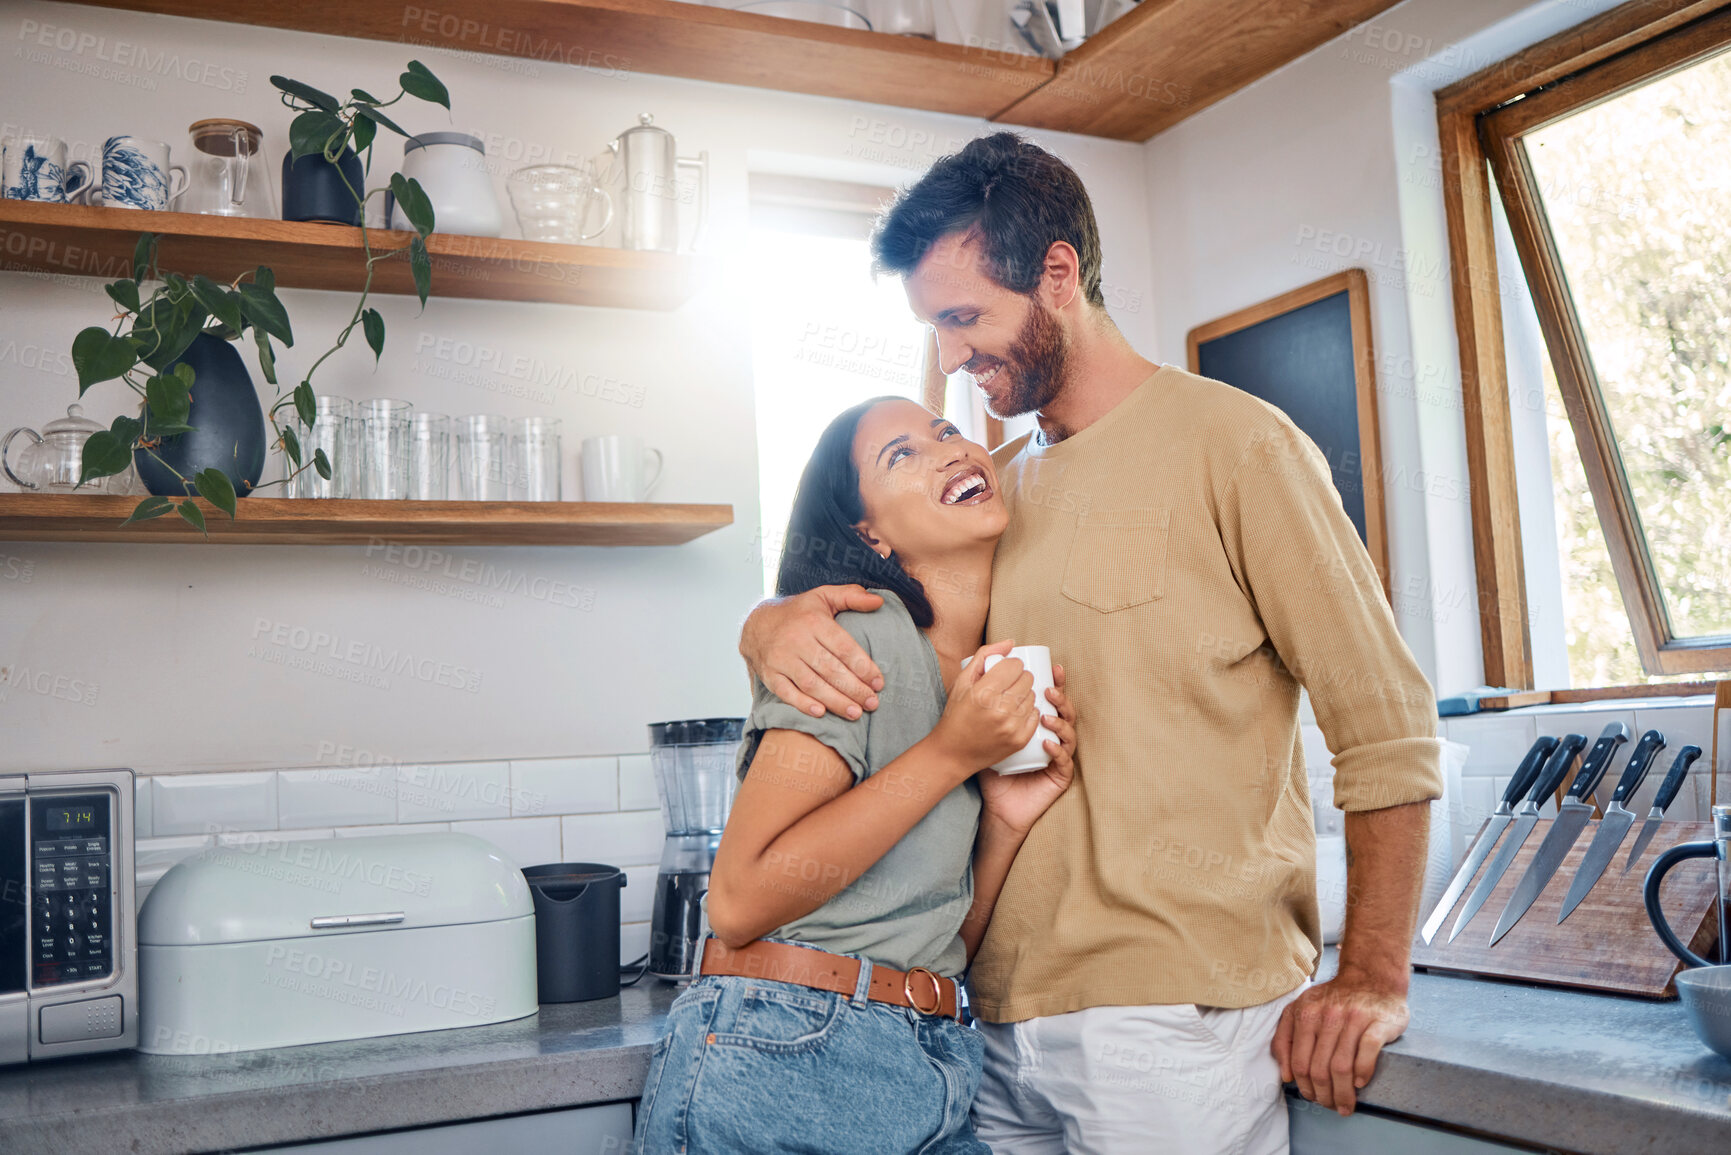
68	952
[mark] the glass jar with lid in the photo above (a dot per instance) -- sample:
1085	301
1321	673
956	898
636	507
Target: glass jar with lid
229	178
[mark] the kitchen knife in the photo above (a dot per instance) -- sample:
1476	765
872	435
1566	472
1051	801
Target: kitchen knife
1674	779
1556	769
1614	826
1499	820
1571	819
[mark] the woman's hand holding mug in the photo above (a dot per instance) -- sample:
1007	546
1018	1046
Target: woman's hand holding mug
990	714
1017	800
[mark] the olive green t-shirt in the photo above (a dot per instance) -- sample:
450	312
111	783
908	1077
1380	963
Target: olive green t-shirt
907	909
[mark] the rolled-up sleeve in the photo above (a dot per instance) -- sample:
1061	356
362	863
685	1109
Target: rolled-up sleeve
1321	602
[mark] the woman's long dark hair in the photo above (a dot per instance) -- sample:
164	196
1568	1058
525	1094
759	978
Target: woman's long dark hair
822	546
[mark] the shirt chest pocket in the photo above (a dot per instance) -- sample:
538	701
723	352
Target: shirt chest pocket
1118	558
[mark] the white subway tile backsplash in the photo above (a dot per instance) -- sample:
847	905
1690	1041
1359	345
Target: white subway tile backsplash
394	828
1495	742
265	841
161	853
637	790
543	786
631	838
201	803
1681	727
633	945
336	796
1318	762
141	809
525	841
637	900
448	791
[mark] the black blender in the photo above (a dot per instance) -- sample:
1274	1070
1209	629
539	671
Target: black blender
695	776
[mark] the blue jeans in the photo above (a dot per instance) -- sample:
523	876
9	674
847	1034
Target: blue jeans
750	1066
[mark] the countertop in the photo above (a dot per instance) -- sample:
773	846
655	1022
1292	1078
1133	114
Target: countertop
566	1055
1560	1069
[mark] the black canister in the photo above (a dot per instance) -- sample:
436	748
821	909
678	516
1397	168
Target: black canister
576	930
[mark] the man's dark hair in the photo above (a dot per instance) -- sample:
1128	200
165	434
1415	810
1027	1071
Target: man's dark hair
822	547
1013	196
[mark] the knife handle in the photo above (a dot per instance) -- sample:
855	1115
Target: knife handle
1640	761
1556	768
1528	772
1598	759
1675	776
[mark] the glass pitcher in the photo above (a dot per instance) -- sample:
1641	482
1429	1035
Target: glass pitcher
54	459
228	176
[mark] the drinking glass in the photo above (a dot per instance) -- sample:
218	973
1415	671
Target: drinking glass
481	458
333	430
532	457
384	449
429	457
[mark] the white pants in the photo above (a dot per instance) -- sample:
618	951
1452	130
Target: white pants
1109	1080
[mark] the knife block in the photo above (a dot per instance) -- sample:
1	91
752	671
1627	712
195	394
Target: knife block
1607	944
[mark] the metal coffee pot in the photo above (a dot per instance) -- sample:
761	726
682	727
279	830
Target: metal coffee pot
1705	989
1719	849
648	160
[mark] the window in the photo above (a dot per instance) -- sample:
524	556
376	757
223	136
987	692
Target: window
1613	163
825	334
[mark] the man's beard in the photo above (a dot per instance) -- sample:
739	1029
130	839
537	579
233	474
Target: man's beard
1036	365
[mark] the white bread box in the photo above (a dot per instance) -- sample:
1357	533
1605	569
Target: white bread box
284	942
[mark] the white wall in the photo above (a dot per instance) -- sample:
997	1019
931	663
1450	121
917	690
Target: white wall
171	637
1331	163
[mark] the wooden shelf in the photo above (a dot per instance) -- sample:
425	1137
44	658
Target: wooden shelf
1169	59
98	242
280	521
665	38
1164	61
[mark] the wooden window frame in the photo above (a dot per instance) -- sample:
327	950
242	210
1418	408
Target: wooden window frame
1592	61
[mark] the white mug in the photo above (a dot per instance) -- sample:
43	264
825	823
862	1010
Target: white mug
617	468
35	169
136	175
1038	662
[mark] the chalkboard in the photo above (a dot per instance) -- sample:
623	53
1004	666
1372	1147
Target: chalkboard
1309	353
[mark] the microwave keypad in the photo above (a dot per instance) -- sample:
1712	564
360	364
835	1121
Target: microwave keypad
70	924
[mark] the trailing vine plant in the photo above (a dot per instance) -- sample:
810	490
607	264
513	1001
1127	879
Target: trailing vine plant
150	333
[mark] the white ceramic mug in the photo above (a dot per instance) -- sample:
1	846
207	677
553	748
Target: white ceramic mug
1038	662
618	468
136	174
35	169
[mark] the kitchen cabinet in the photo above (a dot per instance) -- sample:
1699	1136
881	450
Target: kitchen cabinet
604	1130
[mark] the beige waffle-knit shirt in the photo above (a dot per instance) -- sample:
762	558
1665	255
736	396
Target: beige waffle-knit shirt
1188	561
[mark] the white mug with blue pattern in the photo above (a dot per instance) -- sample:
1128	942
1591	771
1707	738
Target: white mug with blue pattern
136	175
34	168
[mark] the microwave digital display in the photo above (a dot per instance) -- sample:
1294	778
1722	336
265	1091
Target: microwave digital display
70	819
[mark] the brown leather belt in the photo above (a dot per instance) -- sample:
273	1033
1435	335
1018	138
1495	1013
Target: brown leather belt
921	989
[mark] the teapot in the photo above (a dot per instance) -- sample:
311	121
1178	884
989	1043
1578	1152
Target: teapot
54	459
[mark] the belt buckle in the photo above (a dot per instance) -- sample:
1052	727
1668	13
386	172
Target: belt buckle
937	991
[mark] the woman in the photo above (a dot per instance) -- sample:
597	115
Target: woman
862	858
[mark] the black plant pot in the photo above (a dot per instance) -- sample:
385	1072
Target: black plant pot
313	188
227	420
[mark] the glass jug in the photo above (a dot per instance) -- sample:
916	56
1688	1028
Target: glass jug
228	176
54	459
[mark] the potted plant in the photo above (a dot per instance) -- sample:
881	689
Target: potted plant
200	429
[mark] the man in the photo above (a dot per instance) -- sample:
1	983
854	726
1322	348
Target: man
1144	984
